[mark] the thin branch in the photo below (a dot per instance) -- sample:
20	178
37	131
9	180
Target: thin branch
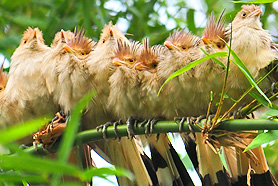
165	127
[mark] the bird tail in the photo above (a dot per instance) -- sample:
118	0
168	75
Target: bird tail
211	169
127	154
169	167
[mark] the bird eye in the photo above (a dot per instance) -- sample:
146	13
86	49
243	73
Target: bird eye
154	65
244	14
103	41
82	53
131	60
184	47
25	41
218	45
1	88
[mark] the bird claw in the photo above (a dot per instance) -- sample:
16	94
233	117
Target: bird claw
131	123
150	125
237	114
190	122
103	129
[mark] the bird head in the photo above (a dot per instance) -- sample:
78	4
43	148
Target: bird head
62	36
79	45
31	36
3	79
215	32
248	16
181	41
111	32
149	57
126	54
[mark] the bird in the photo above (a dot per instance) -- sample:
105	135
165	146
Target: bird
126	153
185	48
255	48
25	76
72	74
170	170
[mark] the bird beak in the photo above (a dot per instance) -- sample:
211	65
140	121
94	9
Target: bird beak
139	66
117	61
170	45
35	33
257	12
205	39
111	32
68	48
63	36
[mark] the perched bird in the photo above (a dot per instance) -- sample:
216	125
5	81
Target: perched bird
73	76
25	76
184	49
189	99
256	49
66	73
170	169
125	99
126	153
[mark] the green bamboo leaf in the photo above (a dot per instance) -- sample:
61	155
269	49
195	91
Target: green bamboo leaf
260	99
15	177
72	127
21	130
258	1
37	165
269	113
193	64
262	139
246	73
106	171
216	60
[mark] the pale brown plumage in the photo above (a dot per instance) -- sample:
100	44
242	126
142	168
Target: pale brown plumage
65	69
25	76
254	47
125	98
127	153
66	35
184	49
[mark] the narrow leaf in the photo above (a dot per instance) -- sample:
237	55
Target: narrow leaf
193	64
262	139
21	130
72	127
247	74
216	60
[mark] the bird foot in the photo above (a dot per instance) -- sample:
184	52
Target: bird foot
103	128
131	123
49	134
238	114
150	123
190	121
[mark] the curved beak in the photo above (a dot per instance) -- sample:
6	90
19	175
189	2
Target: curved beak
68	48
111	31
35	33
118	62
205	39
171	46
139	66
257	12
